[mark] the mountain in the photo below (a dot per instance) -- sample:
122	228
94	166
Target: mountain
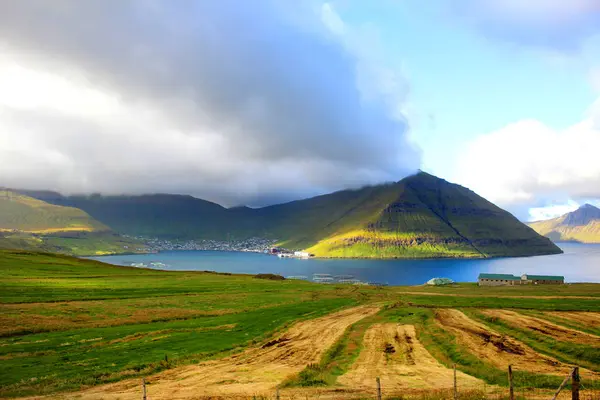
581	225
28	214
157	215
32	224
419	216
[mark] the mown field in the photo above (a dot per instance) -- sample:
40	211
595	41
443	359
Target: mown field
69	324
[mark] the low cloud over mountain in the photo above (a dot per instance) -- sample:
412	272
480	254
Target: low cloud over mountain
237	102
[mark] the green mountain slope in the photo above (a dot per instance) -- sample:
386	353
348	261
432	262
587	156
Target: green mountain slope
432	217
157	215
420	216
581	225
31	224
27	214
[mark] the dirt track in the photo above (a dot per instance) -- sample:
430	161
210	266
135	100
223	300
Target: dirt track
393	353
584	318
543	327
496	349
254	372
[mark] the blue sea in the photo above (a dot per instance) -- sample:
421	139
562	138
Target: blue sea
579	263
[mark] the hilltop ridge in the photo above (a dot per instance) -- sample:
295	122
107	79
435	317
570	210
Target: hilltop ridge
581	225
32	224
24	213
418	216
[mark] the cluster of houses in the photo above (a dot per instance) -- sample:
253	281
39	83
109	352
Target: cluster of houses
512	280
283	253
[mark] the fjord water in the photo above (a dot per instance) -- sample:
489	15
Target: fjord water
579	263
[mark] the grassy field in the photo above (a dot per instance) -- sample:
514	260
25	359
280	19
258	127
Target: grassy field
68	324
85	322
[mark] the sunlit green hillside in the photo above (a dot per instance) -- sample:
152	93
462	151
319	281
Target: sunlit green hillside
419	216
27	214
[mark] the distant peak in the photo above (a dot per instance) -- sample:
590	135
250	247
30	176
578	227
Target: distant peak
582	216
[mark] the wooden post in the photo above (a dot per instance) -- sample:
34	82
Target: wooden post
378	389
562	385
455	386
143	388
511	387
277	394
575	384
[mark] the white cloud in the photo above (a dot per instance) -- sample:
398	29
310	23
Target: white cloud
230	101
529	163
32	90
552	211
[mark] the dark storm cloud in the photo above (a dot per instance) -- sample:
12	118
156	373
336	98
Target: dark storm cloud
255	102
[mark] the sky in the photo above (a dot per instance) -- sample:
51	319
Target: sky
268	101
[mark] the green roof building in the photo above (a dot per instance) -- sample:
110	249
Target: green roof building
512	280
498	280
543	279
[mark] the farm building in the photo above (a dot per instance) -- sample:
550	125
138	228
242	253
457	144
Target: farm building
542	279
511	280
498	280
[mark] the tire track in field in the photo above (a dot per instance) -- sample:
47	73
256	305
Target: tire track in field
498	350
585	318
393	353
256	371
544	327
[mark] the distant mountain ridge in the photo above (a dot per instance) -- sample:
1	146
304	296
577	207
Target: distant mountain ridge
32	224
24	213
419	216
581	225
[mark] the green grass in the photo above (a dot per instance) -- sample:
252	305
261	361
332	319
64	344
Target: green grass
472	289
550	304
66	323
75	243
68	359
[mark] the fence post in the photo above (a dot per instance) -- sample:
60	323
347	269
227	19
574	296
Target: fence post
378	389
455	386
510	383
575	384
277	394
562	385
143	388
